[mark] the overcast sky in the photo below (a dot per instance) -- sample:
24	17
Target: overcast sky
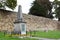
26	5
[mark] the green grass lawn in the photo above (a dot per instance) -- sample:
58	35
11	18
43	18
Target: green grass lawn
49	34
41	34
5	37
12	38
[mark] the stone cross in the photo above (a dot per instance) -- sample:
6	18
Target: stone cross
19	14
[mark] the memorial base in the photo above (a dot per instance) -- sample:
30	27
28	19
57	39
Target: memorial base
20	27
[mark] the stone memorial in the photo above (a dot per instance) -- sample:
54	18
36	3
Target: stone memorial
19	24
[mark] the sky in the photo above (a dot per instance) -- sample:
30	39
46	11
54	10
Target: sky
26	5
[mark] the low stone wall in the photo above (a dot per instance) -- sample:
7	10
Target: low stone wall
41	23
7	19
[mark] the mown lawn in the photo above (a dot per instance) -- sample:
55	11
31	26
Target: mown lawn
41	34
9	37
12	38
49	34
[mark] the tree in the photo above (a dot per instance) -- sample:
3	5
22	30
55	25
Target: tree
46	3
57	9
37	9
40	8
9	3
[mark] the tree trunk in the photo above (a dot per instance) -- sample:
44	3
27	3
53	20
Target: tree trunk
58	19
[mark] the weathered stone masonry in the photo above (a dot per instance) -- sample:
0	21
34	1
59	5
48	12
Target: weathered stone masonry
33	22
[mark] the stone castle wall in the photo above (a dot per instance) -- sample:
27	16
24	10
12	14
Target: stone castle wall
7	19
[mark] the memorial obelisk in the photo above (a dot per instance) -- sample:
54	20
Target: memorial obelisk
19	24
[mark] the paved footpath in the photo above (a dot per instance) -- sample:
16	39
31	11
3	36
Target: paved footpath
41	38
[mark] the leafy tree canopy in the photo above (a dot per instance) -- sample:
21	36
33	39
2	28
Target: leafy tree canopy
41	9
38	10
57	9
9	3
